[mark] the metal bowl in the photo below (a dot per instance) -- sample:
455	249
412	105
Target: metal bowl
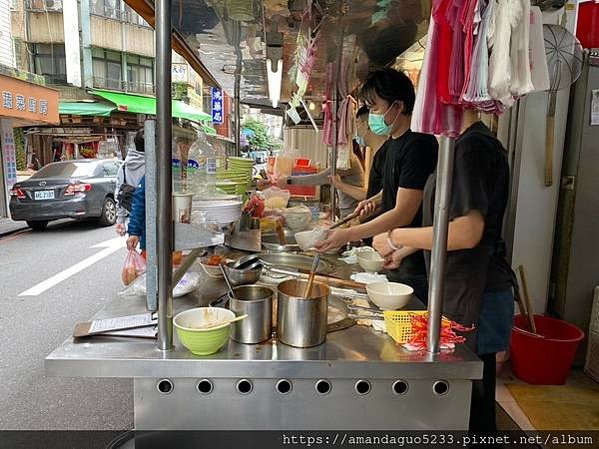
242	277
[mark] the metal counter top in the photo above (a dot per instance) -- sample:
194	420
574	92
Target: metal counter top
352	353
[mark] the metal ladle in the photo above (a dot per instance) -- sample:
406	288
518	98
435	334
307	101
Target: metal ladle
227	281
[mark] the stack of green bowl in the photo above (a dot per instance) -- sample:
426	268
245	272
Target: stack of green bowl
236	179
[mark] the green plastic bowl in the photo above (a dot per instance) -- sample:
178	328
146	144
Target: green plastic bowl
203	341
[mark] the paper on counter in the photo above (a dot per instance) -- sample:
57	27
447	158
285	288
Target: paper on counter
122	322
368	278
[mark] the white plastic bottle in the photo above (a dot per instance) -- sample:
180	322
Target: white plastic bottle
179	184
196	167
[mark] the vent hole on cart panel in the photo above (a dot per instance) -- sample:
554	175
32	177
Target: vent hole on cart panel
441	387
244	386
400	387
205	386
165	386
323	386
284	386
362	387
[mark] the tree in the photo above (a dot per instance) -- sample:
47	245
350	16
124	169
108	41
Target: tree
258	135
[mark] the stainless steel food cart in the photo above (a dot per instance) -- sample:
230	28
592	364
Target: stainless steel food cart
357	379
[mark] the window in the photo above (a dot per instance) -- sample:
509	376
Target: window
110	169
132	17
41	5
106	8
107	69
140	74
49	61
65	170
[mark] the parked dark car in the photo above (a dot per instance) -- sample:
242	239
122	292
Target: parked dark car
71	189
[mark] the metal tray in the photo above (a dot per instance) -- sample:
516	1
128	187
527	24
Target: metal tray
297	261
270	242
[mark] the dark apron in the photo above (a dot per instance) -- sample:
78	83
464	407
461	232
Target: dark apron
466	273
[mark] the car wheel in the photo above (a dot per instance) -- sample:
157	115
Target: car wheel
38	225
108	217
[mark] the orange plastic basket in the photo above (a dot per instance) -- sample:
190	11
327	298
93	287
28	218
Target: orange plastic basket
399	323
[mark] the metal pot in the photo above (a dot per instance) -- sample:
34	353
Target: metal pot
256	302
244	276
302	322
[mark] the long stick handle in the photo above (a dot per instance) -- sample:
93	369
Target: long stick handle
311	276
529	311
549	137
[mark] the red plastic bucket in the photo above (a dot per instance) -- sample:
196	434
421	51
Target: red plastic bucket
544	360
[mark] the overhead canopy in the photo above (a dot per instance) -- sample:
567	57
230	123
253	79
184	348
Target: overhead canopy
140	104
237	36
85	108
145	8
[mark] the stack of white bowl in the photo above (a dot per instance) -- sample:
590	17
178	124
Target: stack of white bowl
220	212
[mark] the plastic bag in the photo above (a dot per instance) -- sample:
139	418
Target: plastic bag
135	265
343	157
276	198
298	218
284	163
189	283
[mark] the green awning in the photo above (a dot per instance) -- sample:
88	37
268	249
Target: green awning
85	108
136	104
183	110
209	130
139	104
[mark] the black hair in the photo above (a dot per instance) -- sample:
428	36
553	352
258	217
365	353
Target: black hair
390	85
362	111
139	141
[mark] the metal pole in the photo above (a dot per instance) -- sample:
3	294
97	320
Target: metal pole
334	149
333	162
237	88
151	214
237	101
439	249
164	138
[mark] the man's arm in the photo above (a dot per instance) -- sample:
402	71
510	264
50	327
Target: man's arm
464	232
406	206
311	180
407	203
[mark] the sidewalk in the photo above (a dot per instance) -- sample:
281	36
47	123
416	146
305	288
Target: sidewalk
7	226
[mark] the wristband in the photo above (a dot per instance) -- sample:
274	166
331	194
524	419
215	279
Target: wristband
390	242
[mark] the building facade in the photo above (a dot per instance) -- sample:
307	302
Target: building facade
82	45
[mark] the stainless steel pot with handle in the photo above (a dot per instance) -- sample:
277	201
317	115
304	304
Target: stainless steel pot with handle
256	302
302	322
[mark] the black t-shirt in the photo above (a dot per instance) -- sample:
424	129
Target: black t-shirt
408	163
375	177
480	182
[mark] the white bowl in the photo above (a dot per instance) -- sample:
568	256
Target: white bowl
371	261
307	239
389	295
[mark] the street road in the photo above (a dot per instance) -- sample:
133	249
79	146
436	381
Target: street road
49	281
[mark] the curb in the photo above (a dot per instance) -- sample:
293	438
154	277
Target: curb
12	230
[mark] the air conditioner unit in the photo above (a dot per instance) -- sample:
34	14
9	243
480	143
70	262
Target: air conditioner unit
591	366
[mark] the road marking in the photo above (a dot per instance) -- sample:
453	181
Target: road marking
110	246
